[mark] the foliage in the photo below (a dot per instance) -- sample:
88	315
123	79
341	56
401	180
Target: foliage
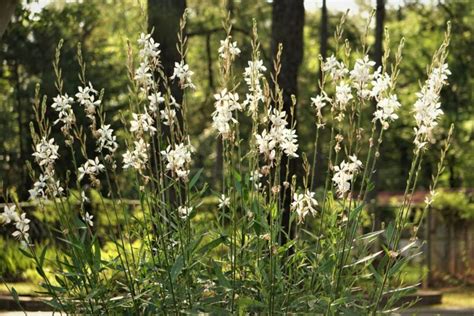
455	206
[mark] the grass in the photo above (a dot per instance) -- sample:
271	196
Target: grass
458	297
22	288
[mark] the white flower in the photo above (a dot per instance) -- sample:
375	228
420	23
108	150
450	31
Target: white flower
155	100
381	83
266	145
142	123
46	152
303	204
343	95
178	159
84	198
386	109
344	173
149	50
361	75
228	49
252	76
183	73
143	75
226	103
428	108
337	70
106	139
88	219
9	214
91	168
184	211
39	188
137	158
168	116
289	142
62	105
22	227
223	201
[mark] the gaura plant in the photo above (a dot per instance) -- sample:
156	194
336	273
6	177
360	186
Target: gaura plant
244	258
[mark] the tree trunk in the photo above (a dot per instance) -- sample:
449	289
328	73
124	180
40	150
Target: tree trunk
163	19
287	29
324	31
7	8
379	30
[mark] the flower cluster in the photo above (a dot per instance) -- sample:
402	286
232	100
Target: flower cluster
319	102
92	168
427	108
149	50
226	103
344	173
107	139
62	105
178	160
138	157
279	136
253	75
142	123
46	152
21	222
228	49
303	204
386	109
182	72
86	96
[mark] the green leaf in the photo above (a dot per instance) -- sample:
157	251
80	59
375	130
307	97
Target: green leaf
195	178
365	259
212	244
43	255
222	280
177	268
26	253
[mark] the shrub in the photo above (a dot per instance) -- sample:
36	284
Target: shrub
253	250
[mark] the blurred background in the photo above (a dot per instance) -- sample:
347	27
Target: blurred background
105	26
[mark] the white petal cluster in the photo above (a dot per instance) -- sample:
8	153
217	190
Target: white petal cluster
21	222
9	214
344	173
427	108
178	160
226	102
86	96
39	188
46	152
107	139
182	72
361	75
253	75
319	102
88	219
149	50
228	49
184	211
46	186
142	123
62	105
224	201
381	83
303	204
155	100
336	69
386	109
143	75
279	136
168	116
138	157
92	167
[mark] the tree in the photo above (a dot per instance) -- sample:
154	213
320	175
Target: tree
7	9
379	30
287	29
163	19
